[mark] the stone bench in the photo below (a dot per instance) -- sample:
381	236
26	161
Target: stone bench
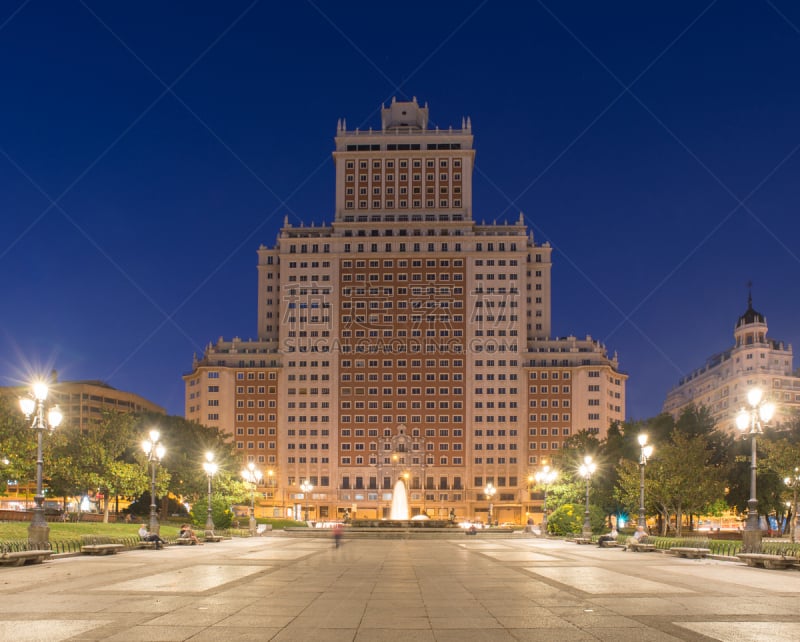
768	561
688	551
144	544
582	540
210	537
641	547
184	541
19	558
101	549
607	543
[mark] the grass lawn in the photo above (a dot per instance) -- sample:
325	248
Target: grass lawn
70	531
74	531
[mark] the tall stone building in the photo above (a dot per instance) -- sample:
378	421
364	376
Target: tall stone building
404	341
722	382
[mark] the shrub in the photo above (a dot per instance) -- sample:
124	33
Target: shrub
141	506
220	512
568	518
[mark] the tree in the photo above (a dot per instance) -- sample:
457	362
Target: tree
698	421
100	457
681	479
607	454
568	489
17	444
186	443
627	490
780	456
221	511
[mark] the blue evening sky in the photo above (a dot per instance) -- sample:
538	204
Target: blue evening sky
148	148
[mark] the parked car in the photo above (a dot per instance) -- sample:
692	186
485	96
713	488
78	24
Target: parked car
52	507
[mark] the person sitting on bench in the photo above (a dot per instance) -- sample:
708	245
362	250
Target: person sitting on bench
638	536
610	537
188	533
146	536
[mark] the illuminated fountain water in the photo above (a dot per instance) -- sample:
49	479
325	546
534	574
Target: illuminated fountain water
399	501
400	522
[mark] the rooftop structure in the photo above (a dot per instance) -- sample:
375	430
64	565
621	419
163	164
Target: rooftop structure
722	382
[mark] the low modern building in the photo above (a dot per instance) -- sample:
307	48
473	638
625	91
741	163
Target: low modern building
83	402
721	384
404	340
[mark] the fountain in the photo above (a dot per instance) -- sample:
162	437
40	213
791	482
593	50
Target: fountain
400	518
399	502
400	525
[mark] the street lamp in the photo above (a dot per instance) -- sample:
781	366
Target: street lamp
793	482
490	492
211	468
306	487
34	405
271	486
586	471
252	475
750	422
545	477
155	453
646	452
526	499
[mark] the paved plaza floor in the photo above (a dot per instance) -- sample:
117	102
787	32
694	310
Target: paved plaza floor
462	589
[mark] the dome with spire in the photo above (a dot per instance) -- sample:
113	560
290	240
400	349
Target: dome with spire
750	315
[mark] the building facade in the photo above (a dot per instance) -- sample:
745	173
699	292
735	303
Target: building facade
404	341
721	384
84	402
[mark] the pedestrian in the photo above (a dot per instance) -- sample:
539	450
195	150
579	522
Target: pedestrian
337	535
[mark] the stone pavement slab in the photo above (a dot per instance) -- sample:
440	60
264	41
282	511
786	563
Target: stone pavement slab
278	588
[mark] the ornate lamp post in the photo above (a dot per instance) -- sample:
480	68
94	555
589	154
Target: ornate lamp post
793	482
750	421
490	492
586	471
34	405
211	468
252	475
155	453
545	476
526	505
646	452
306	487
